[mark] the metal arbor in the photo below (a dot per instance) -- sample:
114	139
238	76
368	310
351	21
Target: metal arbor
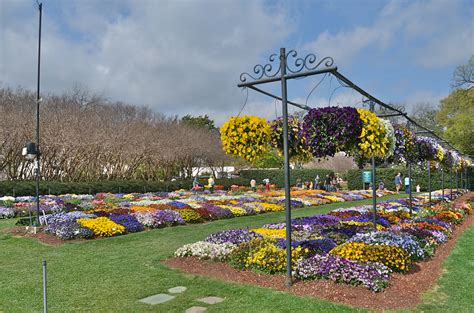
308	66
267	73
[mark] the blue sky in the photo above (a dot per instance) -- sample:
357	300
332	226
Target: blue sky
185	57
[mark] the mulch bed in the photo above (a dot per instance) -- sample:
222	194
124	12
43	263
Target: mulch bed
47	239
404	291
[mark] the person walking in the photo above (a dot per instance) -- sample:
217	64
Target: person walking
211	183
253	185
316	182
267	184
407	184
195	182
327	183
398	182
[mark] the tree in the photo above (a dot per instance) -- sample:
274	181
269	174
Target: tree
463	76
270	159
457	116
201	121
424	113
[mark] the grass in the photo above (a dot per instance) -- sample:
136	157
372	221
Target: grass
111	275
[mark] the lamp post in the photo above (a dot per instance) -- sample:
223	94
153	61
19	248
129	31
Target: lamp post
38	101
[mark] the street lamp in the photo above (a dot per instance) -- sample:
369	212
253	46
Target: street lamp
29	151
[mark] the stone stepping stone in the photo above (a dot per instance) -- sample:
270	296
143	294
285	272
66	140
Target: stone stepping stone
177	289
211	300
196	309
157	299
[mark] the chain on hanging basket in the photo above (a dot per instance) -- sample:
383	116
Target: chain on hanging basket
245	136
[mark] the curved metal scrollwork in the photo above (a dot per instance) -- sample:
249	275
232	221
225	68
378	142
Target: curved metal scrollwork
309	62
260	71
294	64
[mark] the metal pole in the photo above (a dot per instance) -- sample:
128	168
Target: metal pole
457	180
45	295
38	100
284	103
467	179
374	196
442	182
410	201
451	183
374	192
429	184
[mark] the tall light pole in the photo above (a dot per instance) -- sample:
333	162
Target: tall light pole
38	101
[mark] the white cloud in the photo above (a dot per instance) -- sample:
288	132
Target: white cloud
438	33
178	57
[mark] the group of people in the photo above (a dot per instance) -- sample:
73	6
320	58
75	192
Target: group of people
210	183
265	181
330	183
398	183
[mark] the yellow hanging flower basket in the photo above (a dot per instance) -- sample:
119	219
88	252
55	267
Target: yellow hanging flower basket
245	136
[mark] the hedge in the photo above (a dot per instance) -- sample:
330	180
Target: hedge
277	176
28	188
419	177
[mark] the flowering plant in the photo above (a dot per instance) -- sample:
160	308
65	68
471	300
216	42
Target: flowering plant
394	257
233	236
404	144
332	129
371	275
390	136
275	233
130	223
373	142
404	241
297	149
167	218
427	148
102	226
245	136
190	215
262	254
70	229
206	250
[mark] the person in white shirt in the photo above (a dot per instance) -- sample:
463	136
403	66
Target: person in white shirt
407	184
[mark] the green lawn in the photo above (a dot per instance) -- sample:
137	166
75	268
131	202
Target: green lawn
110	275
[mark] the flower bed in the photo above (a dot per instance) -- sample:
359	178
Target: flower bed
341	246
136	212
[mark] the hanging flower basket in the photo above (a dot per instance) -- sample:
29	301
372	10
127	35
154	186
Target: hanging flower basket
297	148
427	148
404	145
245	136
439	153
331	129
390	137
373	142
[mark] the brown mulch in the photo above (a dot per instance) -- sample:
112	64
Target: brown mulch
47	239
404	291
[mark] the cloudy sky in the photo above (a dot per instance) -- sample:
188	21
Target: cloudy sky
185	57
